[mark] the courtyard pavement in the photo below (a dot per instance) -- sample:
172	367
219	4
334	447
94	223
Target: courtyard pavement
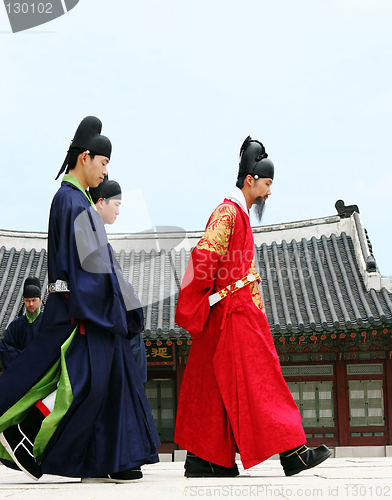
336	478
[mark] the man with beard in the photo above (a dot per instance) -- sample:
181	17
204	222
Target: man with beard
233	395
25	328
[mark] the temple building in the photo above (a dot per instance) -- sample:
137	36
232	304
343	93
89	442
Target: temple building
328	306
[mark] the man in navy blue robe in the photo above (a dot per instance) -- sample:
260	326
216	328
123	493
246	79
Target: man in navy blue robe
107	200
24	328
99	423
22	331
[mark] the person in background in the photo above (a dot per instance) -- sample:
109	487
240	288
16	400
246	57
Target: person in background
107	198
25	328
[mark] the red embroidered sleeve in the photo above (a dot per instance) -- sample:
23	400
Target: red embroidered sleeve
219	229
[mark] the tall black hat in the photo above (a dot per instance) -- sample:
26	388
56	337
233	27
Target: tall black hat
31	288
254	160
107	189
88	138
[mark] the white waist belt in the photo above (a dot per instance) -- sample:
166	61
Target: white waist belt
233	287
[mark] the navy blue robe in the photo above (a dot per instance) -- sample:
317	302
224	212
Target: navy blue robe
17	337
139	353
109	426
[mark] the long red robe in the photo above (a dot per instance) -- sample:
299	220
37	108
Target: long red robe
233	394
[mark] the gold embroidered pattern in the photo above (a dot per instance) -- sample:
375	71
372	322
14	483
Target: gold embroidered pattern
254	289
218	231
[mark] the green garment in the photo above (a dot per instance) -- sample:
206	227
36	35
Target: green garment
55	378
75	182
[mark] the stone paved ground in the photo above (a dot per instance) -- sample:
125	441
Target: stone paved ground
336	478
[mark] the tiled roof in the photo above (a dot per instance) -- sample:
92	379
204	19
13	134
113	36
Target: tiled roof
315	285
309	283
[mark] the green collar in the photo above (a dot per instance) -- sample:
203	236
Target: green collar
31	317
75	182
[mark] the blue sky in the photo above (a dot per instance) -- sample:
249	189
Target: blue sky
180	84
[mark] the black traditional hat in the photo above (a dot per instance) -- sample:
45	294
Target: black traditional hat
31	288
88	138
254	160
107	189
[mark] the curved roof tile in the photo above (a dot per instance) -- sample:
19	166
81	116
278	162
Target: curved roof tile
308	285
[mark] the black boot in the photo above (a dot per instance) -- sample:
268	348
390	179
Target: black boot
197	467
18	440
303	458
117	477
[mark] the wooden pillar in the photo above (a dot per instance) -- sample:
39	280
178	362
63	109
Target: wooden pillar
342	409
388	402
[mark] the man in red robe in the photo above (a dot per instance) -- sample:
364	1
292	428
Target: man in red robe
233	395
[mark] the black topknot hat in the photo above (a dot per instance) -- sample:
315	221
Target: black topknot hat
88	138
31	288
107	189
254	160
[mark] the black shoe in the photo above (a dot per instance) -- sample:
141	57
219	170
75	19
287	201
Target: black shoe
117	477
197	467
303	458
20	448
